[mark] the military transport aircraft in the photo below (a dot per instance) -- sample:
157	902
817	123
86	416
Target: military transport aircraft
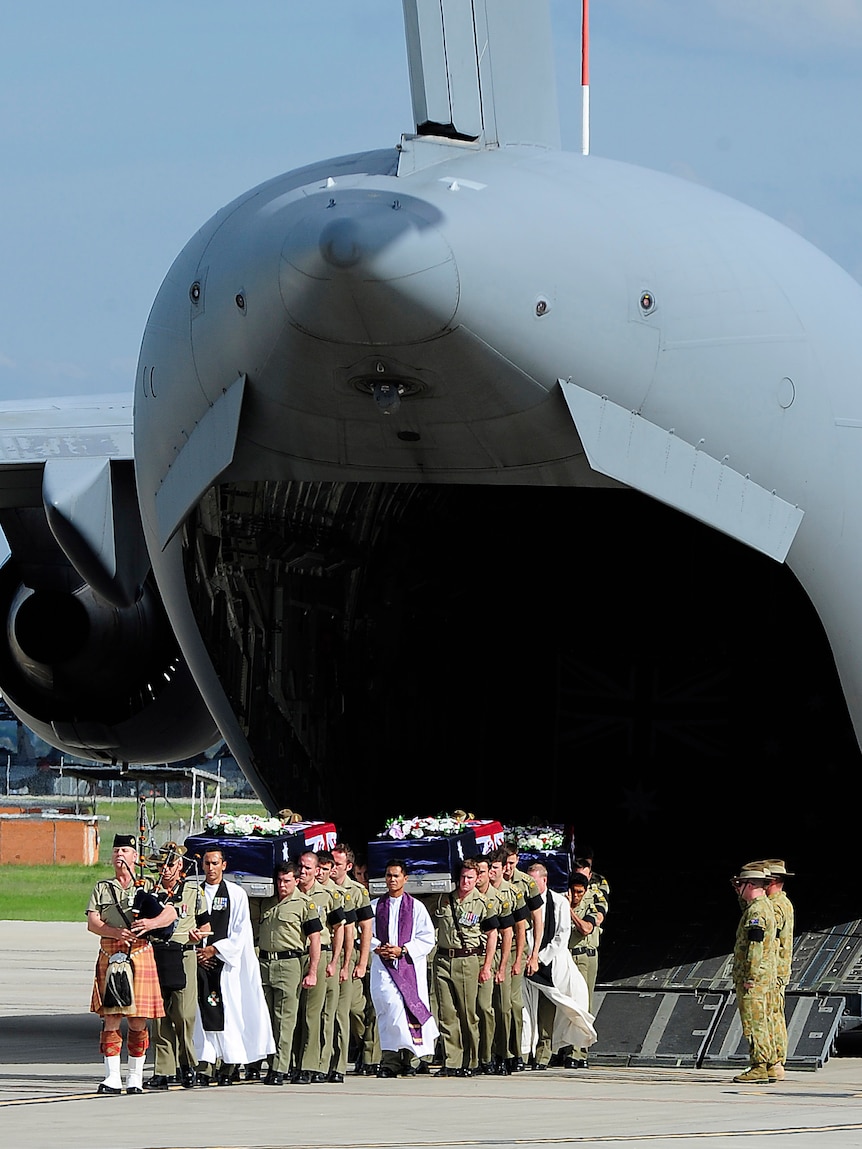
388	415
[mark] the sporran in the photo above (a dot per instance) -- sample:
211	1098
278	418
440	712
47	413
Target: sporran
119	982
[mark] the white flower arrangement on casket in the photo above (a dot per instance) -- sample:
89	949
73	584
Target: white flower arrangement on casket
400	827
541	838
246	825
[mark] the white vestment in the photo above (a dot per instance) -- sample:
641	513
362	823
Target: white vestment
247	1034
573	1023
389	1005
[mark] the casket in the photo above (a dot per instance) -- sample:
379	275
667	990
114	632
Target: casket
252	859
558	863
433	862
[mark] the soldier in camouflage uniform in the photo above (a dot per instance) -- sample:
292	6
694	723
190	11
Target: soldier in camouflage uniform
784	926
754	969
466	926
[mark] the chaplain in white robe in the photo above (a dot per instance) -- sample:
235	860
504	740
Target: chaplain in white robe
246	1035
402	938
556	998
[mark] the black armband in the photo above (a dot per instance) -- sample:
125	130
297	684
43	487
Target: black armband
350	917
589	918
506	921
521	914
312	926
534	902
364	913
756	934
492	923
335	917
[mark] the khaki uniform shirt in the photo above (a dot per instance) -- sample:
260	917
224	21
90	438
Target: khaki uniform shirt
330	903
102	901
286	924
590	902
188	900
460	923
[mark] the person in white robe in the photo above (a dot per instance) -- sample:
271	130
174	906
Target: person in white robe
556	997
402	938
247	1033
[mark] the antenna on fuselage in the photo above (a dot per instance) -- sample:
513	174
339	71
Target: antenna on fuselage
585	77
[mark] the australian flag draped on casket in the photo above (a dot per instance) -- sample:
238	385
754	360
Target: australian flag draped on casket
432	859
257	854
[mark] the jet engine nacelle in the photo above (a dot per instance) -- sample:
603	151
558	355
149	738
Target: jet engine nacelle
93	679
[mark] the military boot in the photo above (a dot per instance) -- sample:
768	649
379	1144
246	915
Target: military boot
755	1073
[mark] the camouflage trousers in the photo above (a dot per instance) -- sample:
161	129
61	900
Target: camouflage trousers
756	1007
779	1025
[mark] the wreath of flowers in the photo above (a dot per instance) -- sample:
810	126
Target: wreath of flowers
400	827
246	825
540	838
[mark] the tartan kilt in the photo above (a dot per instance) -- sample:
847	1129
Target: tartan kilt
147	991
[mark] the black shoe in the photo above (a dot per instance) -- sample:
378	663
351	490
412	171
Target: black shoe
252	1072
203	1079
501	1069
303	1077
516	1065
225	1079
273	1078
359	1068
371	1069
485	1069
409	1071
187	1077
335	1078
540	1065
385	1071
108	1090
423	1067
318	1078
575	1063
444	1072
157	1081
466	1072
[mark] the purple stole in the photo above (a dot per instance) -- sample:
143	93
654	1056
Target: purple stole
403	972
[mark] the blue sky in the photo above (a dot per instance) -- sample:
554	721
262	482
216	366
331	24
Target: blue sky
124	126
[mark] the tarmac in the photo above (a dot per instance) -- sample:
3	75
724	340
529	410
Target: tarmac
50	1066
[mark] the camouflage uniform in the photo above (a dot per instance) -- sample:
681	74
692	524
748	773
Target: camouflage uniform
754	960
783	908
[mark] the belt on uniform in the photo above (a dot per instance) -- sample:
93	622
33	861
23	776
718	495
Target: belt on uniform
468	952
189	946
585	950
324	949
280	955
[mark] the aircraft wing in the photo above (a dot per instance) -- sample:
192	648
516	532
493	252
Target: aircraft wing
32	433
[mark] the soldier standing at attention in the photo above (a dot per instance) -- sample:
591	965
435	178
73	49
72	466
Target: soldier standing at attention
461	963
507	899
290	931
784	927
586	905
754	968
174	1034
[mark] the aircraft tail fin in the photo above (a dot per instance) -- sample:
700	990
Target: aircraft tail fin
482	70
